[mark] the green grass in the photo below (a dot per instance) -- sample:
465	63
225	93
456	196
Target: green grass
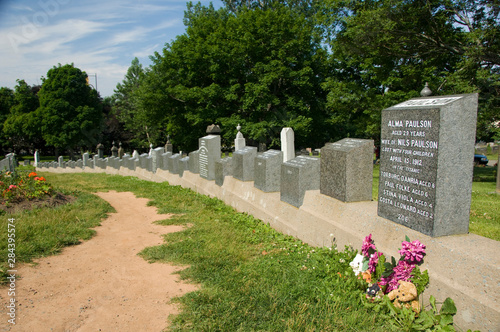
252	277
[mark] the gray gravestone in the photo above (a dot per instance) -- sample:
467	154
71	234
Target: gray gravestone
183	165
223	168
79	163
60	160
347	170
268	170
114	150
26	162
142	160
173	163
91	163
100	150
239	142
244	163
85	159
164	157
157	159
149	162
36	158
194	162
209	153
426	163
297	176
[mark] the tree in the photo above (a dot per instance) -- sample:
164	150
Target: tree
129	112
6	102
21	125
70	110
260	68
384	51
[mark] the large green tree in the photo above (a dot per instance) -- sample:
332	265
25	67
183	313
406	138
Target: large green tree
384	51
6	102
70	111
21	126
260	68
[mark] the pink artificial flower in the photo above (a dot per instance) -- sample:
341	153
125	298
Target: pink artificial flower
12	186
402	271
412	251
367	246
372	263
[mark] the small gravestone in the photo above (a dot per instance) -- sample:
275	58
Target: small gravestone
121	151
90	163
135	155
239	142
183	165
60	160
100	150
426	163
194	162
71	164
347	170
149	163
209	153
26	162
157	161
222	169
79	163
85	159
164	163
267	170
36	158
244	163
213	129
297	176
173	163
143	161
287	144
114	150
168	146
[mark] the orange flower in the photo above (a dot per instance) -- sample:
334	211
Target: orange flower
32	174
41	178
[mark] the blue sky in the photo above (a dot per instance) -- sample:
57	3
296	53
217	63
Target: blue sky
101	37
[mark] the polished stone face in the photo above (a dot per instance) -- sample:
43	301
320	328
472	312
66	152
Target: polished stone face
297	176
347	170
209	153
223	168
427	149
244	164
267	170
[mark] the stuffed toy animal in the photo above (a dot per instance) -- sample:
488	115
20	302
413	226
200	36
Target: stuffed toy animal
405	294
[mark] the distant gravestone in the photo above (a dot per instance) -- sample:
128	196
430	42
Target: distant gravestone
194	162
60	160
100	150
121	151
142	160
126	161
183	165
297	176
244	163
426	163
79	163
267	170
213	129
223	168
26	162
168	146
173	163
209	153
114	150
36	158
157	161
347	170
85	159
239	142
287	144
135	154
164	157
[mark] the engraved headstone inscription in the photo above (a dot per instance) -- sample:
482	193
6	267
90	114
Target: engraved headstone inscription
209	153
427	150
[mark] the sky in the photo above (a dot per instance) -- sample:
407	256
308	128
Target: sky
100	37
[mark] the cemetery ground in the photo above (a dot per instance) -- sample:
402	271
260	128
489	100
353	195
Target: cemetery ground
251	277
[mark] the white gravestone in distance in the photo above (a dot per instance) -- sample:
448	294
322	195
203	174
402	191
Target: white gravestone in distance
287	144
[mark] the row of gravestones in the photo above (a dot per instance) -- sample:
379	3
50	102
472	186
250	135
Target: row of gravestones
426	153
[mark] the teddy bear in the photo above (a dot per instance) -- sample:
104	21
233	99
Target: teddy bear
405	294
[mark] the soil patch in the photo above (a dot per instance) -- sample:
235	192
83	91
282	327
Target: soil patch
101	284
48	201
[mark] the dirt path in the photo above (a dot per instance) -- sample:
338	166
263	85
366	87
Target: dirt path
101	284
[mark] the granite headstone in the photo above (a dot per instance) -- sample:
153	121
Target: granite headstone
267	170
297	176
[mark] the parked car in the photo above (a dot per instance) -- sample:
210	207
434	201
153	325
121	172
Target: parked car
480	159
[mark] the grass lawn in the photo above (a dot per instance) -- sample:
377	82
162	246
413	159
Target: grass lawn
253	278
